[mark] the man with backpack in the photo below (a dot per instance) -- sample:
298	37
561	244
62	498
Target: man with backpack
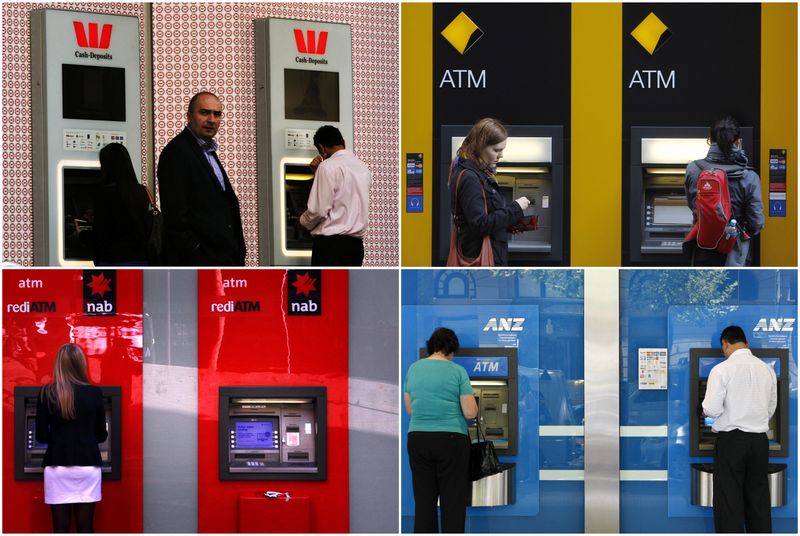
724	195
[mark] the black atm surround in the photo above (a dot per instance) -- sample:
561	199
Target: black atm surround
634	224
559	211
781	411
316	393
112	395
513	391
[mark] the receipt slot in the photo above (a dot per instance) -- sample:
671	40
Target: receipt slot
304	80
532	166
29	453
658	214
273	433
702	439
85	94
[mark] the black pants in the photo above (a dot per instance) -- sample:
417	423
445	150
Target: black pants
440	472
339	250
741	484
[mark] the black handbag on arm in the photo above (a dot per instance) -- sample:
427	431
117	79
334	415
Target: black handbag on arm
483	461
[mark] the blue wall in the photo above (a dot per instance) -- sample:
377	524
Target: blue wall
555	382
723	296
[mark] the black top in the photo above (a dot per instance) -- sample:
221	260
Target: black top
120	231
73	442
202	222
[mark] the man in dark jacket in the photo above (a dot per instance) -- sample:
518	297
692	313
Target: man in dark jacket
202	222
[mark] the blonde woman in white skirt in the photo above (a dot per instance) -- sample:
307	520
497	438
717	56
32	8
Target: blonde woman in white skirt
71	420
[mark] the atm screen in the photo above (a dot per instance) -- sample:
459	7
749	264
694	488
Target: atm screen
80	187
93	93
671	210
254	434
311	95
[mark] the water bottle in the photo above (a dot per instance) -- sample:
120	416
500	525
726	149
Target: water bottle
730	229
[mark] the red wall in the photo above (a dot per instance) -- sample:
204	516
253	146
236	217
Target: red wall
113	347
271	348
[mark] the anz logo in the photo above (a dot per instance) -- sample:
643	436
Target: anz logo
504	324
775	324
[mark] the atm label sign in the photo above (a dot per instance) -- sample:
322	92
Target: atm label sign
504	324
775	324
97	37
484	366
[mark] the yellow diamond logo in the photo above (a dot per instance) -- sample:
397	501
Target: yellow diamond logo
462	33
651	33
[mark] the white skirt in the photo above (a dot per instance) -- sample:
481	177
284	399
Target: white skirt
73	484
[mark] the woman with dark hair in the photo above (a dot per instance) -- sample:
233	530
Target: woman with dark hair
121	222
725	152
439	399
478	208
71	420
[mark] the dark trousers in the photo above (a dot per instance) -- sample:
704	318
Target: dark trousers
741	484
338	250
440	472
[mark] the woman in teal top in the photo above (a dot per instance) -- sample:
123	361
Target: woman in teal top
439	398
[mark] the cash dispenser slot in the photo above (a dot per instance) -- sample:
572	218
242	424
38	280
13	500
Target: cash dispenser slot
273	433
29	453
298	178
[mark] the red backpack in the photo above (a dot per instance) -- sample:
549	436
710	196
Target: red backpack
713	209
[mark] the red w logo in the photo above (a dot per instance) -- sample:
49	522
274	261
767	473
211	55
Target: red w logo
93	41
314	46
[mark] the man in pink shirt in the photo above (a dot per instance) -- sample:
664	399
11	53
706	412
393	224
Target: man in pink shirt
338	205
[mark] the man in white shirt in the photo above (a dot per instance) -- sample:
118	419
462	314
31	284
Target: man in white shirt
338	205
741	395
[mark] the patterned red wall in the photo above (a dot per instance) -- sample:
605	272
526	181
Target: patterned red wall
210	46
17	151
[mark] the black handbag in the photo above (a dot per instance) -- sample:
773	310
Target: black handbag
483	461
155	241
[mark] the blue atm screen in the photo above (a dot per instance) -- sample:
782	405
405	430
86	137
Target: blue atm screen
254	435
705	364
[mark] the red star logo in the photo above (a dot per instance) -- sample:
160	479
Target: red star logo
100	285
304	284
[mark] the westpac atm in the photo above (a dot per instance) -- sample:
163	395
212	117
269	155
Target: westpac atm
304	80
29	453
493	375
273	433
532	166
702	439
658	214
85	89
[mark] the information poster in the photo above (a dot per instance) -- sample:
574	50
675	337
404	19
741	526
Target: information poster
652	368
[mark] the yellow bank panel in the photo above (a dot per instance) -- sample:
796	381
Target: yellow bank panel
596	165
416	119
779	126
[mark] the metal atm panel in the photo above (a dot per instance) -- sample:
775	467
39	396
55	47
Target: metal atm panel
304	80
532	166
85	94
701	438
273	433
29	453
658	214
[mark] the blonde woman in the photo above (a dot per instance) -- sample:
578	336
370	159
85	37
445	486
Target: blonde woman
71	420
475	165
